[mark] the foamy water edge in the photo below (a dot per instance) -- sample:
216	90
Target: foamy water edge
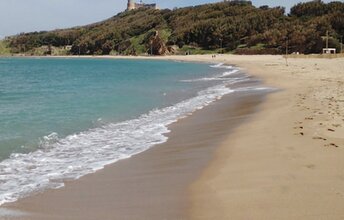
80	154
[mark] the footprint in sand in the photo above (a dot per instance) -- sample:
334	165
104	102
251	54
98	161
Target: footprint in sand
310	166
332	145
319	138
300	133
299	127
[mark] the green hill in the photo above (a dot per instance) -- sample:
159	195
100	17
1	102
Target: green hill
4	49
239	28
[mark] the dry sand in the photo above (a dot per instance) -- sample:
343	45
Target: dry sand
288	161
285	162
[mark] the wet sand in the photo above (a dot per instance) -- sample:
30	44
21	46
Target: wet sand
151	185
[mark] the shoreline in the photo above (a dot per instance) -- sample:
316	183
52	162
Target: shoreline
152	184
166	57
272	166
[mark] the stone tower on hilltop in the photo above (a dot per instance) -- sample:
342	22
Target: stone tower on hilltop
133	5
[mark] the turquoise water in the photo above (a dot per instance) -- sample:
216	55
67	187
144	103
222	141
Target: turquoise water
64	118
42	96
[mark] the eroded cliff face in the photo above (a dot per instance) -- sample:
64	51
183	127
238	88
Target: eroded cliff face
157	45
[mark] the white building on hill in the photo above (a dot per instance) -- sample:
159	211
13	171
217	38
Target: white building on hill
132	4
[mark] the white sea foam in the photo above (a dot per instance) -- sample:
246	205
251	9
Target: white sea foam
222	66
203	79
229	73
216	65
79	154
254	89
86	152
220	77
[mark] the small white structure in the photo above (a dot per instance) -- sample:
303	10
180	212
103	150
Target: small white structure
133	5
68	47
329	51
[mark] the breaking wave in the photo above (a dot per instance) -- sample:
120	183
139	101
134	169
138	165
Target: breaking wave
76	155
79	154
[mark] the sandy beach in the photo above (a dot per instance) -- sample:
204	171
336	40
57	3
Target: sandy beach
279	157
287	161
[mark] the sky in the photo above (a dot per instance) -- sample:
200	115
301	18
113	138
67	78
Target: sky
18	16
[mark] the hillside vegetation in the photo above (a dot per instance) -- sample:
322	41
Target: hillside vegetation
220	27
4	49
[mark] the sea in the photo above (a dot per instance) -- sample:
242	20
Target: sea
63	118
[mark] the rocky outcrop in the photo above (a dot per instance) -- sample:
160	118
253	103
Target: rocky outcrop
157	45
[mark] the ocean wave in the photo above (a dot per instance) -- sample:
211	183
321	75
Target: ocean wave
254	89
216	65
221	77
203	79
76	155
227	81
221	65
229	73
49	140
